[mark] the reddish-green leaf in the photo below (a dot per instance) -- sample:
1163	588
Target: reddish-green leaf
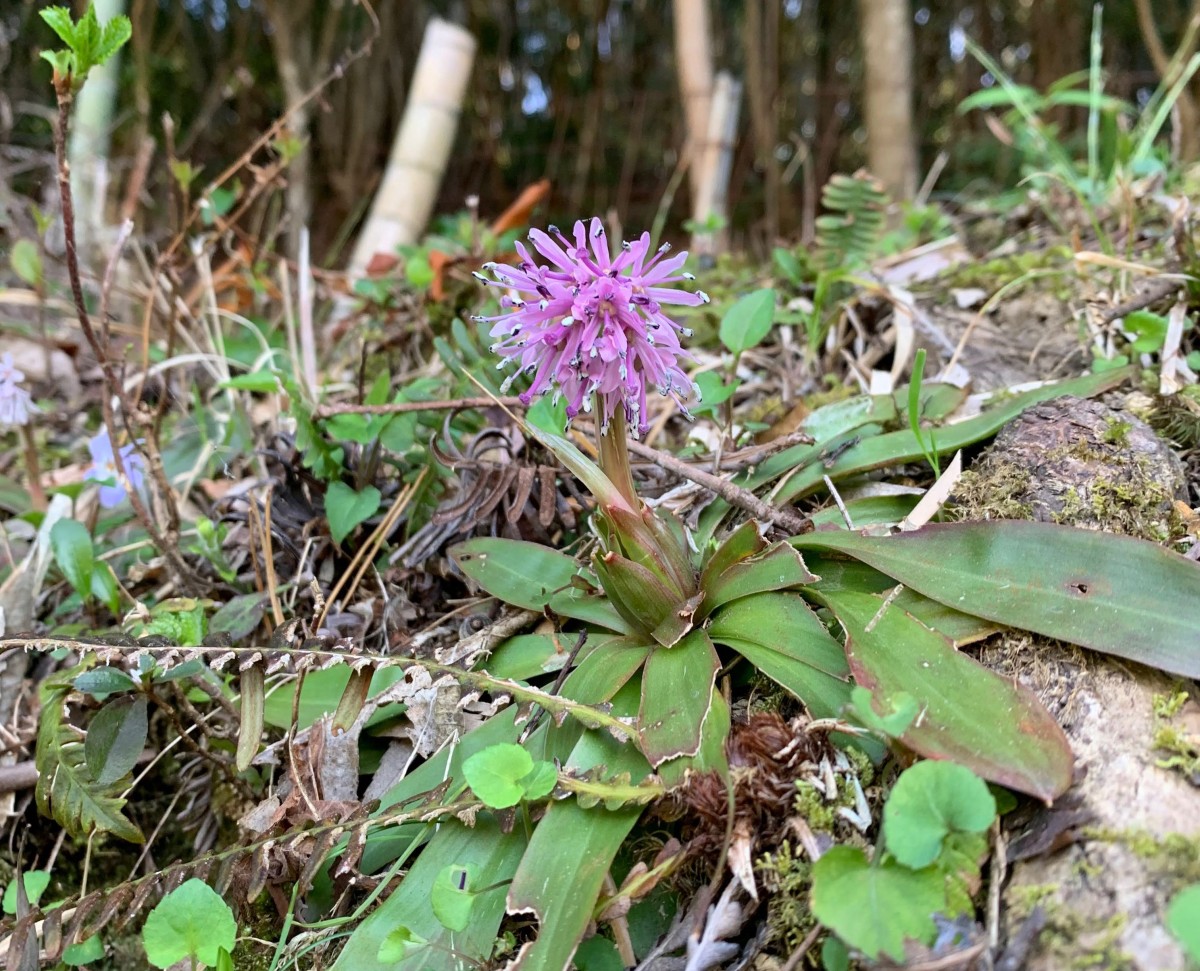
676	697
969	714
1111	593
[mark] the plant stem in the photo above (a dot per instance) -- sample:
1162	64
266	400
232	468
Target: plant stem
32	469
112	380
614	456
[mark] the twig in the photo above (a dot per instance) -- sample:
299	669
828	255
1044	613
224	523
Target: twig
14	778
65	96
1155	290
733	494
400	407
802	949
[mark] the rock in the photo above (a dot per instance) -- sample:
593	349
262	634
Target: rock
1082	463
1103	897
44	371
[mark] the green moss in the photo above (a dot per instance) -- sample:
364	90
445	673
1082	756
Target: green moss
1021	900
998	494
1116	432
1180	751
1173	859
990	275
1103	954
1168	706
788	878
812	806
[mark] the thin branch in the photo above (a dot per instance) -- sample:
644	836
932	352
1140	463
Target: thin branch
114	385
733	494
401	407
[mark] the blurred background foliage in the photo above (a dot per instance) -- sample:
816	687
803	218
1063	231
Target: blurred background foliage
582	92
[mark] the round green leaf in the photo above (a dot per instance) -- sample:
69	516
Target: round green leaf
399	944
452	897
495	774
875	908
540	780
930	801
36	882
85	952
598	953
71	544
346	508
192	921
748	321
116	738
1183	919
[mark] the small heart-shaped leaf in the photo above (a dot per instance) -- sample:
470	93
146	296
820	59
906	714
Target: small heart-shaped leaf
346	508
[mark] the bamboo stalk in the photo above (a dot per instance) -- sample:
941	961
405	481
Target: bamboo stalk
406	196
693	64
717	162
90	130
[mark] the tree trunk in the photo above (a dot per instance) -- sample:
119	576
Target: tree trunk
885	27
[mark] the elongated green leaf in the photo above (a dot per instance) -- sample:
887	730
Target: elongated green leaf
606	670
711	757
1111	593
115	738
676	697
748	321
589	608
773	569
638	595
959	628
523	574
894	448
482	849
72	546
26	261
969	714
743	542
560	877
104	681
780	635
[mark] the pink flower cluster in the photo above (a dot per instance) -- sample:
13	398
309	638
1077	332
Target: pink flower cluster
592	323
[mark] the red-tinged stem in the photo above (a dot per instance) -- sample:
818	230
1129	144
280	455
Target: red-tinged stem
65	96
614	457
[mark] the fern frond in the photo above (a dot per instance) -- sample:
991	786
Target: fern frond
66	789
850	230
